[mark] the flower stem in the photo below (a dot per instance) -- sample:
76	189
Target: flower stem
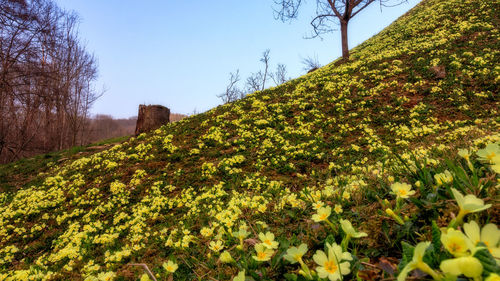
458	220
398	204
306	270
331	225
427	269
345	242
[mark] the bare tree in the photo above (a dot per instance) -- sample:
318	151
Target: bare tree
265	59
279	76
311	64
328	13
46	79
254	82
232	92
257	81
23	25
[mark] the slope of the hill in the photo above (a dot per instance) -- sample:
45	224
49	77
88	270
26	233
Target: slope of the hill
340	136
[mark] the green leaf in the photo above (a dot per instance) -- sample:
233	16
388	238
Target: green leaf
290	277
284	243
417	202
255	275
436	254
449	277
330	239
407	255
436	236
487	260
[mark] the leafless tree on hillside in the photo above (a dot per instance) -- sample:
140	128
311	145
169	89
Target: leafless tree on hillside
311	64
232	92
254	82
279	76
328	14
265	59
257	81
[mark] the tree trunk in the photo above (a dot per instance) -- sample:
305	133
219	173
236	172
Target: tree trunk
151	117
345	44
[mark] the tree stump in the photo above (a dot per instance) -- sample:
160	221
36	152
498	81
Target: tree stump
438	71
151	117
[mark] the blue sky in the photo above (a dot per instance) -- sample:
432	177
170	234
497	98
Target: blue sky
179	53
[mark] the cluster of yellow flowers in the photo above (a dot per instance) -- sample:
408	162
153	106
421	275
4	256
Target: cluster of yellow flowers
463	247
327	140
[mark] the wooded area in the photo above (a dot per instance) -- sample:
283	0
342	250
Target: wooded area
46	79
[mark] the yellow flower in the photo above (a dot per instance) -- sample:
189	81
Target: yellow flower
442	178
489	235
322	214
402	190
216	246
225	257
468	266
496	167
338	209
495	163
263	224
241	234
331	265
206	231
106	276
456	242
350	231
240	276
464	153
170	266
467	204
262	208
294	254
263	253
418	263
489	152
346	195
496	160
145	277
493	277
318	204
268	240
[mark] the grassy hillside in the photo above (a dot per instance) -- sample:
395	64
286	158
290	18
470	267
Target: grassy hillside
298	161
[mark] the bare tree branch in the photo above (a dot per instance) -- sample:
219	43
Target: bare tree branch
311	63
288	9
279	77
232	92
328	12
254	82
265	59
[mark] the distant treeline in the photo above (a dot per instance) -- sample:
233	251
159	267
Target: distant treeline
98	128
105	127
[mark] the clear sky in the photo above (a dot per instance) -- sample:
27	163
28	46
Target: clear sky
179	53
